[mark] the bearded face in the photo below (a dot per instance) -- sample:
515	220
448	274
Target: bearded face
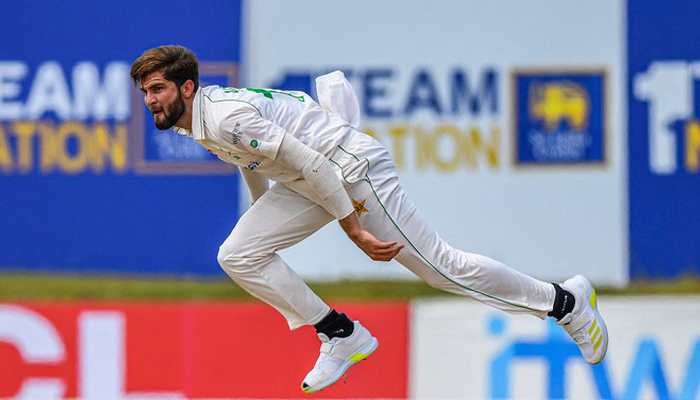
164	99
165	116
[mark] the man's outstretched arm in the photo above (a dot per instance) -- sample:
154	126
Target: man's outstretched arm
320	176
373	247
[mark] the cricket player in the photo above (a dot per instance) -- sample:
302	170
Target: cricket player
324	169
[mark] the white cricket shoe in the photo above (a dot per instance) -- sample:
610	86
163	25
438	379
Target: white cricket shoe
584	323
337	355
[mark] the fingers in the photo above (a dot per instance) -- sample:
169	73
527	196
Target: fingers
376	249
386	251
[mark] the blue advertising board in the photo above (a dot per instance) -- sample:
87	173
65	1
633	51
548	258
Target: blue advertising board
560	117
664	138
87	184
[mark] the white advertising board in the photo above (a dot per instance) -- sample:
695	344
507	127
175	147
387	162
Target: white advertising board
463	350
537	184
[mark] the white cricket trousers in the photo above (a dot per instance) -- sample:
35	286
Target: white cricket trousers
282	217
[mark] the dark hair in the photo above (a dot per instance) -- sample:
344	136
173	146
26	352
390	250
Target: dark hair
179	64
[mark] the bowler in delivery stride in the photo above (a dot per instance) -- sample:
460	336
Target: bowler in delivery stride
325	169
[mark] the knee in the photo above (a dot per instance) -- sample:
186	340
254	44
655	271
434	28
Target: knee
236	261
223	256
230	258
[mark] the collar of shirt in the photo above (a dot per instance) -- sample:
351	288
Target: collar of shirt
197	132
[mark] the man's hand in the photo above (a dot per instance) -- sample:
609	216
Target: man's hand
373	247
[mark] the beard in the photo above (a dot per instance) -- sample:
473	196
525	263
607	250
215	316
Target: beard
171	113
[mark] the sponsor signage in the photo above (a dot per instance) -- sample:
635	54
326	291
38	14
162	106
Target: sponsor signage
432	120
430	349
664	140
461	350
516	131
87	183
559	117
185	351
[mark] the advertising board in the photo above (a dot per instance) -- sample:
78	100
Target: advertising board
185	351
462	350
446	88
521	138
87	184
430	349
664	140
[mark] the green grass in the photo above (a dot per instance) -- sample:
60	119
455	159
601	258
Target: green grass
33	287
26	286
682	286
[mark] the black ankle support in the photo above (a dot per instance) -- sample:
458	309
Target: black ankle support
563	303
335	325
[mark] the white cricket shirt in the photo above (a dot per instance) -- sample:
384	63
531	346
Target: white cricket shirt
245	127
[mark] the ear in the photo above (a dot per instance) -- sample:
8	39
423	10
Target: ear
187	89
